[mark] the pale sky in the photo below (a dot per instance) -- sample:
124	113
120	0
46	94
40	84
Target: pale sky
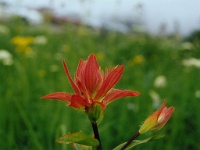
154	12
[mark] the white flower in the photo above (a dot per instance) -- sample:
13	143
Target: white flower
197	94
131	106
186	46
160	81
40	40
191	62
6	57
155	98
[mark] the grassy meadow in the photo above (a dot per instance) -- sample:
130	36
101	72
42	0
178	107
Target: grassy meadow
158	67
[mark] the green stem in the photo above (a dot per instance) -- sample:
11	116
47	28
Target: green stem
96	135
130	140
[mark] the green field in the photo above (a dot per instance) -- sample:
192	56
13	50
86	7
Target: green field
35	69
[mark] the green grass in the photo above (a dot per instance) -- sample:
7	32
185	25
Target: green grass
27	122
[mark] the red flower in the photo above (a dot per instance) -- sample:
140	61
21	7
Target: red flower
158	119
92	86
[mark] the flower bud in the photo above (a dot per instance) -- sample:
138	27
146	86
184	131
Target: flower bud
95	112
157	120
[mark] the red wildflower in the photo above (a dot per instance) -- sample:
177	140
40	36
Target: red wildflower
92	86
158	119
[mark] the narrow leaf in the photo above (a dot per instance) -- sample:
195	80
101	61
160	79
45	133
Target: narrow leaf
137	142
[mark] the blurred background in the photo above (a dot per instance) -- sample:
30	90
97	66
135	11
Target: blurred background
157	41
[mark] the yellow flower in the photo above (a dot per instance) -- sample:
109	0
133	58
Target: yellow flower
41	73
100	55
22	43
138	59
26	50
65	48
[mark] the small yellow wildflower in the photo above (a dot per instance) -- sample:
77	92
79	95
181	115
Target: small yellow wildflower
22	43
138	59
41	73
65	48
100	55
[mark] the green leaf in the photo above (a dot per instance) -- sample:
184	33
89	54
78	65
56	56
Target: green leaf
137	142
78	137
82	147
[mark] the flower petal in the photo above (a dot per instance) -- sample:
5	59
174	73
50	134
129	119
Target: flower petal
63	96
161	108
110	80
77	101
92	74
149	123
115	94
164	117
79	75
83	91
70	79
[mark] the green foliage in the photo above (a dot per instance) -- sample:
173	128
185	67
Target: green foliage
78	137
138	142
27	122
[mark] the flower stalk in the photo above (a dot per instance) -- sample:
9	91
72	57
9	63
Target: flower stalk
96	135
130	140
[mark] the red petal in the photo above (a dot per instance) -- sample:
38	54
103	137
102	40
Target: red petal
161	108
84	91
59	96
77	102
92	74
80	70
70	79
157	112
119	94
110	80
167	113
